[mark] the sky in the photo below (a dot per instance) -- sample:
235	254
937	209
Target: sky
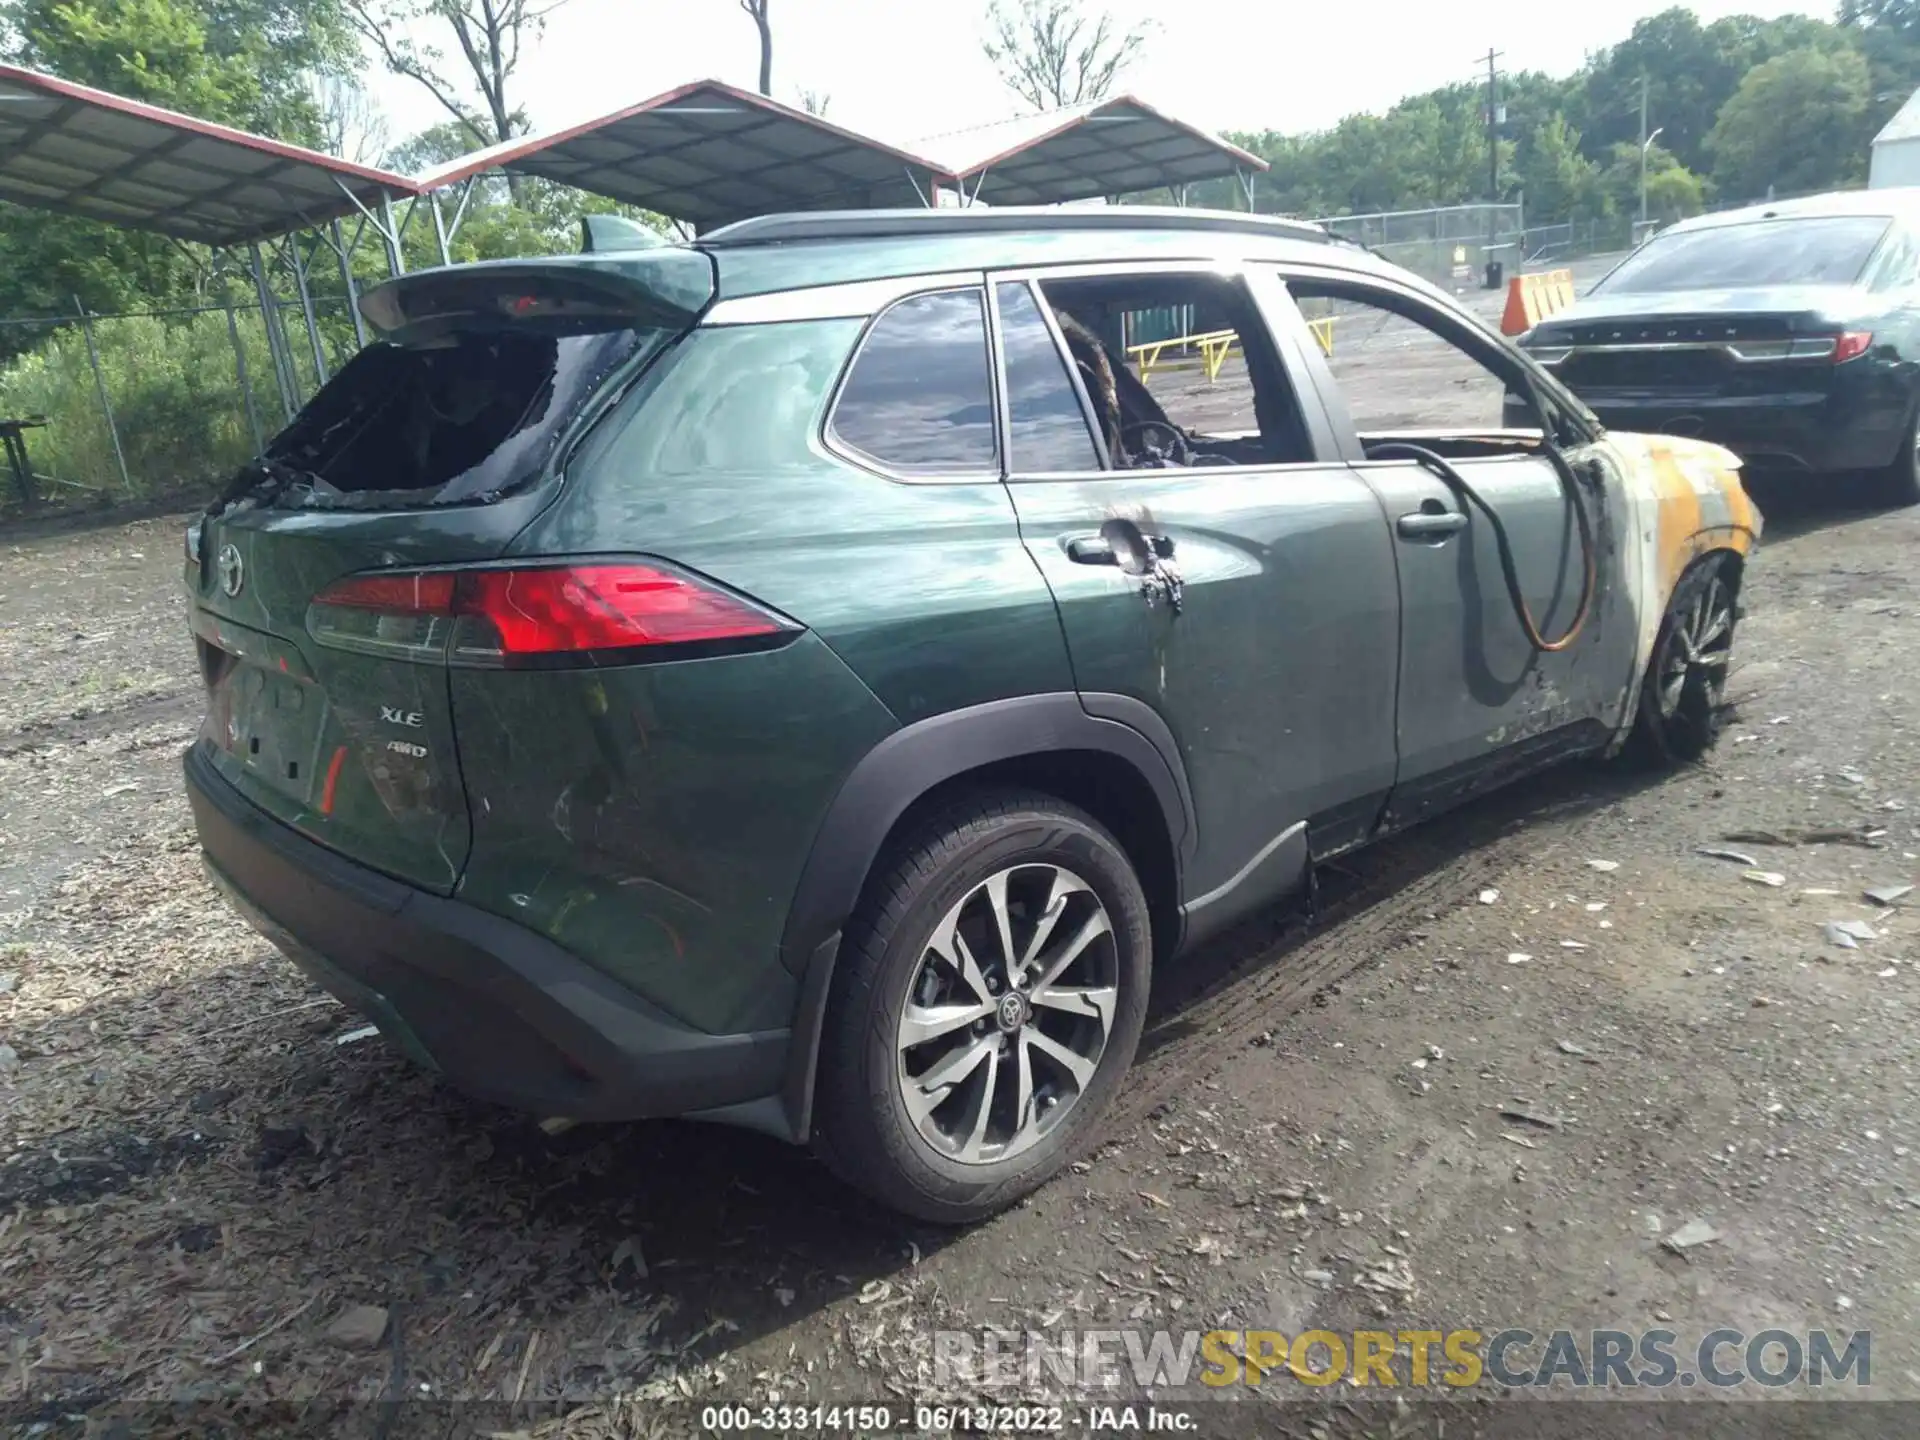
903	70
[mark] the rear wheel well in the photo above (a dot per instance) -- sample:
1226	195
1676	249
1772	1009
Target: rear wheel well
1105	786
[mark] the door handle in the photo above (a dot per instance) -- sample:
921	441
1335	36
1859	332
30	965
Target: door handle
1098	549
1431	524
1090	550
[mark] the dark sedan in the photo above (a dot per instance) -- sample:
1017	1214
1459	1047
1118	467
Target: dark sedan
1786	332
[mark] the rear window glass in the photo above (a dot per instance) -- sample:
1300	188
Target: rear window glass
1826	250
462	420
918	399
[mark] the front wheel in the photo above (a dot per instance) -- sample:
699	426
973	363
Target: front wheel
987	1001
1683	695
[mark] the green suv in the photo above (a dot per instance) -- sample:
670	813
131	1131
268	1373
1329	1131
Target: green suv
808	678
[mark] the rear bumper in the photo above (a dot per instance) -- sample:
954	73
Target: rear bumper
505	1014
1854	427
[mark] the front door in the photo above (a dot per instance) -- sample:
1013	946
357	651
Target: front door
1210	558
1479	700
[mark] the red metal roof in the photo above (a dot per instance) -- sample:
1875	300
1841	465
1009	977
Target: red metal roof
81	151
709	153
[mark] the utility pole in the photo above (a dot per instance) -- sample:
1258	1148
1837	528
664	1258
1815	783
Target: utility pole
1493	161
1643	148
1493	128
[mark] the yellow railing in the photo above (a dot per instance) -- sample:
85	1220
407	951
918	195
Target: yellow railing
1214	347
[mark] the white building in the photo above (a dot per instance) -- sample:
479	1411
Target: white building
1896	149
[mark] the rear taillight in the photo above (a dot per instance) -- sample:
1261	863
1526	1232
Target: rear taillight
1835	348
613	613
1854	343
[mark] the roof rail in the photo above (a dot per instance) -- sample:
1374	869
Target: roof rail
878	224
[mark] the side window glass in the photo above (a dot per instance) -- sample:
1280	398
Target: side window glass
1396	374
1047	430
918	399
1179	370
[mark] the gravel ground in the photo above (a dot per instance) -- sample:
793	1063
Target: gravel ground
199	1180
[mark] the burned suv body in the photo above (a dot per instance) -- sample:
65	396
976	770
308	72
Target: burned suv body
807	679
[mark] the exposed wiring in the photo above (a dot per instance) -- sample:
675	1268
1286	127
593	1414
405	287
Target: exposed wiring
1467	495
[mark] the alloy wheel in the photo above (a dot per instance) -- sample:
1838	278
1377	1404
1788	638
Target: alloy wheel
1699	647
1008	1013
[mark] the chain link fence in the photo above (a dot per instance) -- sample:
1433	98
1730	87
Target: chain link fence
153	406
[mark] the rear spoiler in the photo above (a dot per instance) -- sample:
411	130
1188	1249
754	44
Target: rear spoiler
665	287
617	232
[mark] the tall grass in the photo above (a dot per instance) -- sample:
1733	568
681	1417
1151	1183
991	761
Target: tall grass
176	399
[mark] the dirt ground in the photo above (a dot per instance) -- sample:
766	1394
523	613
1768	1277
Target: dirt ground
201	1171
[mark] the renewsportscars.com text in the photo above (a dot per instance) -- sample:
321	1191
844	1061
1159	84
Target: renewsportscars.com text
1096	1360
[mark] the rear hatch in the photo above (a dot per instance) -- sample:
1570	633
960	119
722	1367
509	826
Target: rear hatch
432	448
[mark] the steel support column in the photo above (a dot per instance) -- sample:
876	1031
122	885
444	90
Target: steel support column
440	236
390	233
100	388
306	312
345	254
268	318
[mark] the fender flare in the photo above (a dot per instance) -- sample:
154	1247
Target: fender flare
905	766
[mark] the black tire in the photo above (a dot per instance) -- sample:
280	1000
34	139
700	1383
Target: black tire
863	1128
1678	723
1899	483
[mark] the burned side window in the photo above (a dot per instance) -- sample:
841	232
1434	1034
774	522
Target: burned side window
918	399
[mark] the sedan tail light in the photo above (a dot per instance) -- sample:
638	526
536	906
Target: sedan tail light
590	613
1836	348
1851	344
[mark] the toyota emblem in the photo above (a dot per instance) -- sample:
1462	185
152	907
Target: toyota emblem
233	573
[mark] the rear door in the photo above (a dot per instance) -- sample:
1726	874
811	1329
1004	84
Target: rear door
1477	701
1259	621
327	697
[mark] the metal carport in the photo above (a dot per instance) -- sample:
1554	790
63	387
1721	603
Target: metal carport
708	153
74	150
1109	148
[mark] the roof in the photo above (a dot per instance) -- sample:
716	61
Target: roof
788	252
80	151
1905	124
708	153
1025	219
1886	201
1111	147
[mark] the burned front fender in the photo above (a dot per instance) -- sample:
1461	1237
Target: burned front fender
1684	501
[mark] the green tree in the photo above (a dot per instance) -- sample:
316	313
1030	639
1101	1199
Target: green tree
1559	182
249	63
1888	34
477	88
1691	71
1797	122
1673	191
1052	55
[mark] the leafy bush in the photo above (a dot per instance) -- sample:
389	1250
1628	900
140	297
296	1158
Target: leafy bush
176	399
